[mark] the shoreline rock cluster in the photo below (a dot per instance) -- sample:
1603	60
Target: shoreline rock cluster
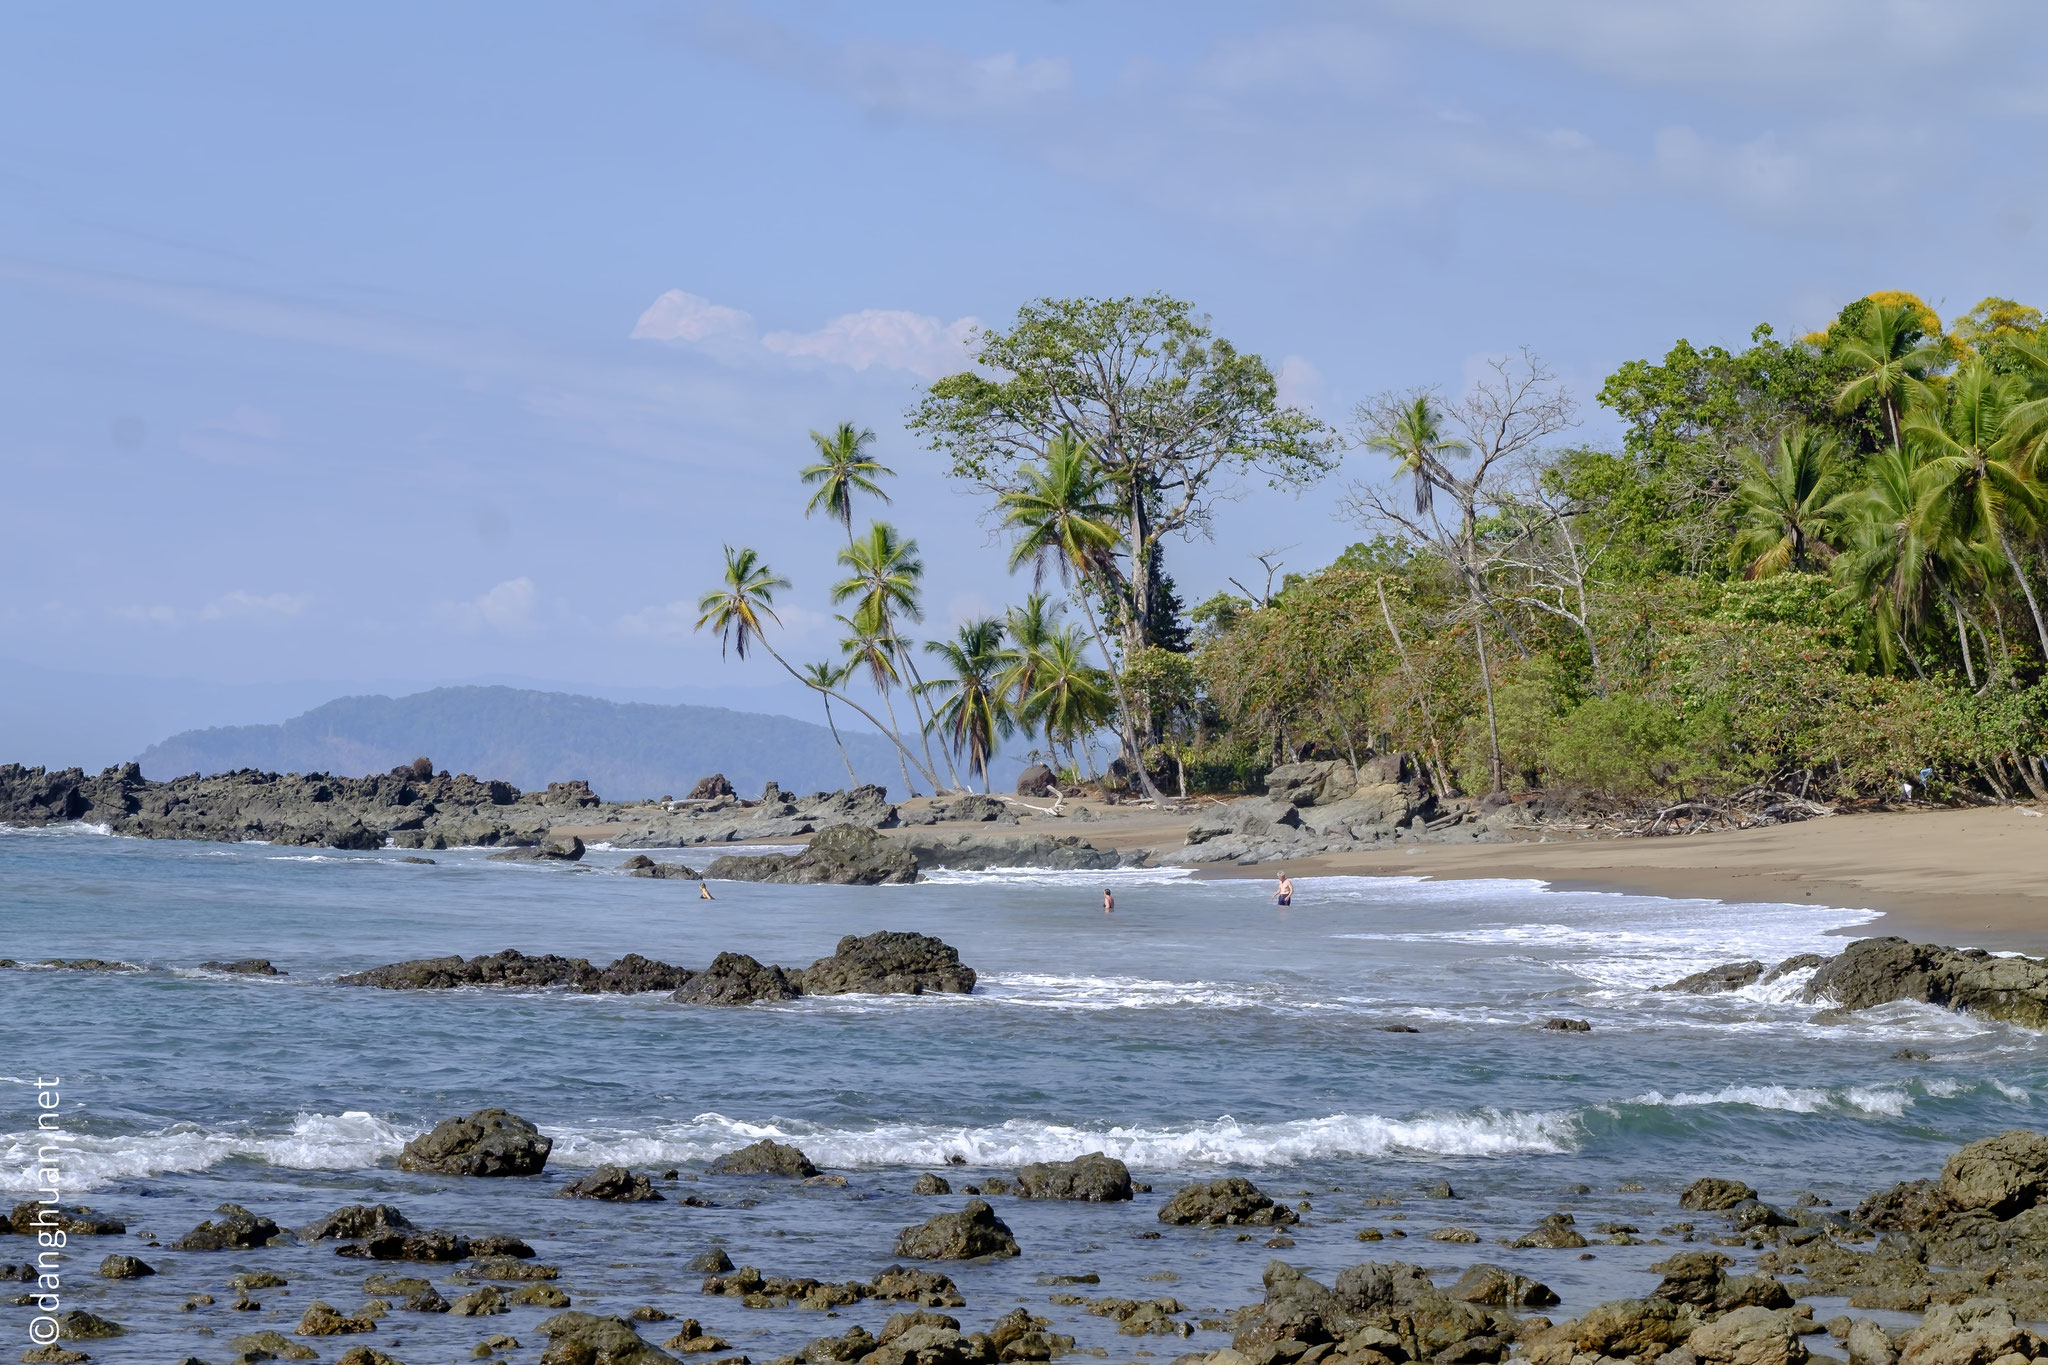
887	962
1880	971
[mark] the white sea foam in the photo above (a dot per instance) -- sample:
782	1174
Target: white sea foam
2011	1092
1041	876
1222	1142
315	1142
1889	1102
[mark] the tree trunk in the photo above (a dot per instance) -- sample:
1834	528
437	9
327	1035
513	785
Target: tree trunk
1955	610
1414	686
2013	560
924	731
1130	736
895	735
902	756
1486	678
2026	768
852	780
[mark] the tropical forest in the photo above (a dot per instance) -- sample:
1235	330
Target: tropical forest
1809	570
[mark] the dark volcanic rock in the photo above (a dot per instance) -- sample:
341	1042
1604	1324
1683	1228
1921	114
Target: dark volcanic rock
1568	1025
119	1267
766	1157
614	1183
737	979
889	963
637	975
1231	1200
1095	1178
567	850
1797	962
514	969
1498	1288
1877	971
243	966
489	1142
433	1246
931	1184
839	855
32	1216
1390	1310
1698	1278
710	788
980	852
640	865
1710	1194
974	1231
237	1229
1729	976
352	1221
1035	780
576	1338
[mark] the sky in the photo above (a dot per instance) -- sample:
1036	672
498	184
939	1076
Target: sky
351	343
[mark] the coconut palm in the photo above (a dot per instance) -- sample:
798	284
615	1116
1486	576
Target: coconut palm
826	678
1980	479
1030	627
1414	443
885	583
1072	697
866	648
1893	360
843	468
736	608
1789	506
974	714
1060	517
1902	558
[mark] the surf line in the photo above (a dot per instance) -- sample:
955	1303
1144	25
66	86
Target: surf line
49	1219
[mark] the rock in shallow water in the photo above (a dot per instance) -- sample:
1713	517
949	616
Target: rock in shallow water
1095	1178
613	1183
839	855
974	1231
766	1157
489	1142
1230	1201
1877	971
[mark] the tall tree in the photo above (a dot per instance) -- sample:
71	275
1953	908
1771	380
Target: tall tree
825	678
1071	697
842	469
885	581
1173	414
1886	345
973	715
1060	519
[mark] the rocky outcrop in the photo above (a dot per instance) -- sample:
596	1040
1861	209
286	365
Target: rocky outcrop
1729	976
1093	1178
511	968
737	979
1374	1312
353	1221
974	1231
1711	1193
32	1216
489	1142
981	852
568	850
710	788
237	1229
889	963
925	1338
613	1183
766	1157
841	855
243	966
1878	971
1035	780
1500	1288
577	1338
1218	1203
897	1284
640	865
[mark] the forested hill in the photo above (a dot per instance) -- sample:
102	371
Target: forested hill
624	750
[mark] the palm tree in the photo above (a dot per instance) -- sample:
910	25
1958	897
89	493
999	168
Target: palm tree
1030	627
1061	518
844	468
826	679
739	606
736	607
1901	559
1789	506
1893	362
866	648
975	714
1414	442
1980	478
1072	696
885	583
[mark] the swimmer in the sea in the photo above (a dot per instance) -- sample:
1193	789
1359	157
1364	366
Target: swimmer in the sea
1285	894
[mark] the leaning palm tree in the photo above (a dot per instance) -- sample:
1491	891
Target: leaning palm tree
739	608
885	582
1789	506
843	468
866	648
974	715
826	678
1980	479
1893	361
1416	444
1899	562
1061	516
1030	627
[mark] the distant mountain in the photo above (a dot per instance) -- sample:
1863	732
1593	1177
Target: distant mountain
625	750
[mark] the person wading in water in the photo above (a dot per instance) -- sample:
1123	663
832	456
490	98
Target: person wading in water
1284	895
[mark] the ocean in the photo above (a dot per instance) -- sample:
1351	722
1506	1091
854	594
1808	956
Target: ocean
1198	1031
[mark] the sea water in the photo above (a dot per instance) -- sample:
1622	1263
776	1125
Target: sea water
1196	1032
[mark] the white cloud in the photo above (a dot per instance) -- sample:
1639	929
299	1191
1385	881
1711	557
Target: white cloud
507	608
669	621
1299	382
681	316
242	605
888	337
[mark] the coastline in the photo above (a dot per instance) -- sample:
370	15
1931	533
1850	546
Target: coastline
1971	878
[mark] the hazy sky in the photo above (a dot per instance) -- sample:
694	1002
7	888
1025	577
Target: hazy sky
431	341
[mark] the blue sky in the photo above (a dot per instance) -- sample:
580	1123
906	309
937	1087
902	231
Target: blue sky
440	342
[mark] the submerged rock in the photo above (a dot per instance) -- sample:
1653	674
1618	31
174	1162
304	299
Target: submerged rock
489	1142
243	966
613	1183
640	865
1729	976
